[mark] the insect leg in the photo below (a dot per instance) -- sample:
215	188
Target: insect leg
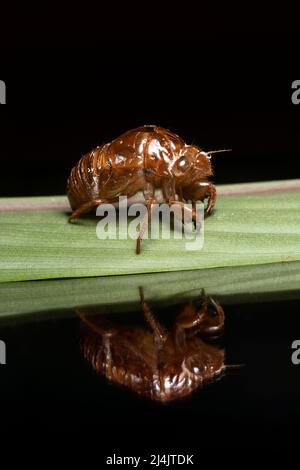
212	196
149	195
216	323
104	329
170	196
144	225
187	213
208	323
159	331
168	188
196	222
86	207
149	192
189	317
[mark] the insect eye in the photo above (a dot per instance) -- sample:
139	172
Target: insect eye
182	164
195	365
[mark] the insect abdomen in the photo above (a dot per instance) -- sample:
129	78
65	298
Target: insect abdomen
84	180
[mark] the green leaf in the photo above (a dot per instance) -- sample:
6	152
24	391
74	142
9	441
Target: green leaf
252	224
243	284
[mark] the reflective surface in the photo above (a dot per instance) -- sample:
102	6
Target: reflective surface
47	383
159	362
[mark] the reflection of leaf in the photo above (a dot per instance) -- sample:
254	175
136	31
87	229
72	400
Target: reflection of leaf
228	285
253	224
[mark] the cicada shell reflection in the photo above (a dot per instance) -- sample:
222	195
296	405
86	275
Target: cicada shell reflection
156	361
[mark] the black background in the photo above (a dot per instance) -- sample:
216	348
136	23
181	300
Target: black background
227	93
48	386
230	89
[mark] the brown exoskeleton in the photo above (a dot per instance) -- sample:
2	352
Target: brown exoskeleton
142	159
155	362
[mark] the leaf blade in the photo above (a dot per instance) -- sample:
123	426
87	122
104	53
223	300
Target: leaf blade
255	228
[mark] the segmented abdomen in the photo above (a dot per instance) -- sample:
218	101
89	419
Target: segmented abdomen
86	176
